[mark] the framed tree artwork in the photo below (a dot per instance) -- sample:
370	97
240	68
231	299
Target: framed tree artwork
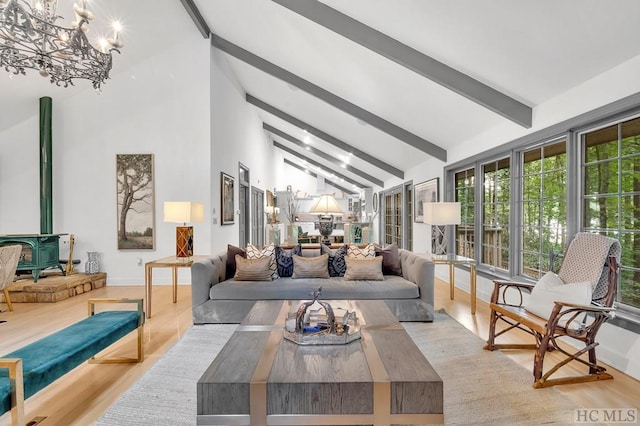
425	192
135	201
227	201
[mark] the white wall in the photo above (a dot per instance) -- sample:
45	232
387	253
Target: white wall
160	106
236	136
619	347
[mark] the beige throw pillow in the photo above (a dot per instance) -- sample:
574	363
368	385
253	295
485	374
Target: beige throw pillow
268	251
311	267
363	269
252	269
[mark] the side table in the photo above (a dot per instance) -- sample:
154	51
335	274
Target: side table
172	262
452	260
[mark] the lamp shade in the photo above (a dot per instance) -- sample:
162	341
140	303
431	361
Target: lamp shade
326	204
183	211
441	213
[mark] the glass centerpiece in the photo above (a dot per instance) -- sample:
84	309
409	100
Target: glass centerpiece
315	323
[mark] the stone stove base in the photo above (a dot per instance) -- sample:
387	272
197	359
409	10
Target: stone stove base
53	288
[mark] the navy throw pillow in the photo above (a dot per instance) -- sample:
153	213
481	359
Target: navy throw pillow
337	265
284	260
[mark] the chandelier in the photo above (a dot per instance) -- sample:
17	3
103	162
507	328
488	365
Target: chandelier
30	38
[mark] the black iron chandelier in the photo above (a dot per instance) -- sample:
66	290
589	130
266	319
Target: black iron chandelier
30	38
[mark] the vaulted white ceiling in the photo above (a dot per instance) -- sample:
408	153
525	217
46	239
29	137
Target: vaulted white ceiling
528	51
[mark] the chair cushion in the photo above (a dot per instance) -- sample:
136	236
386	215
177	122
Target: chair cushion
252	269
550	289
364	269
310	267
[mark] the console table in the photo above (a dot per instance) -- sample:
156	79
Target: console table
39	251
172	262
452	260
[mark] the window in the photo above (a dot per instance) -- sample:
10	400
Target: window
611	196
465	195
544	207
495	213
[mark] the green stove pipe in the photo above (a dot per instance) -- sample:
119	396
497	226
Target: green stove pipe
46	187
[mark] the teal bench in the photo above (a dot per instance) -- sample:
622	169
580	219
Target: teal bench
33	367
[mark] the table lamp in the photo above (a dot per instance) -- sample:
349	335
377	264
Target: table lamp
183	212
440	215
325	208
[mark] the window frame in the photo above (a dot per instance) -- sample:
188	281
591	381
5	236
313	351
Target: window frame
622	110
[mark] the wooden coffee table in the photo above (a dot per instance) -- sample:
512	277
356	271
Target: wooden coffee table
260	378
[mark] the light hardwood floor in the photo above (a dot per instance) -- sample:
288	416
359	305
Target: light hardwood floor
81	396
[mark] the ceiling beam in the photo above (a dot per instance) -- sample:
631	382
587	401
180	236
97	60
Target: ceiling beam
332	160
317	164
196	17
412	59
328	182
325	137
328	97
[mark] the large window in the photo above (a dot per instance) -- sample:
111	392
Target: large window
496	180
611	196
537	192
544	207
465	195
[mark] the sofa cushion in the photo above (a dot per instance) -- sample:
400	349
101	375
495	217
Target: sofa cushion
231	259
268	251
310	267
390	259
391	287
252	269
337	267
361	253
284	260
364	269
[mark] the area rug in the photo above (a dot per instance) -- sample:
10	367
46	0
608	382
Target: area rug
480	387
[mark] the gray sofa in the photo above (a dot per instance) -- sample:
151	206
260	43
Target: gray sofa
220	299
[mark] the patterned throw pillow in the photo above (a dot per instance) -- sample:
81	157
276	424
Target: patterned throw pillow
284	260
364	269
361	253
269	251
231	259
337	267
310	267
390	259
252	269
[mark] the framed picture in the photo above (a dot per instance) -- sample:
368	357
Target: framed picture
226	199
135	201
425	192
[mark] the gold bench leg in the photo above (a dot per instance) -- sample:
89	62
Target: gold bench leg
140	331
17	389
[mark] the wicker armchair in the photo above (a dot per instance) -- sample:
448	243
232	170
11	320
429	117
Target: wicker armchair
9	257
591	263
